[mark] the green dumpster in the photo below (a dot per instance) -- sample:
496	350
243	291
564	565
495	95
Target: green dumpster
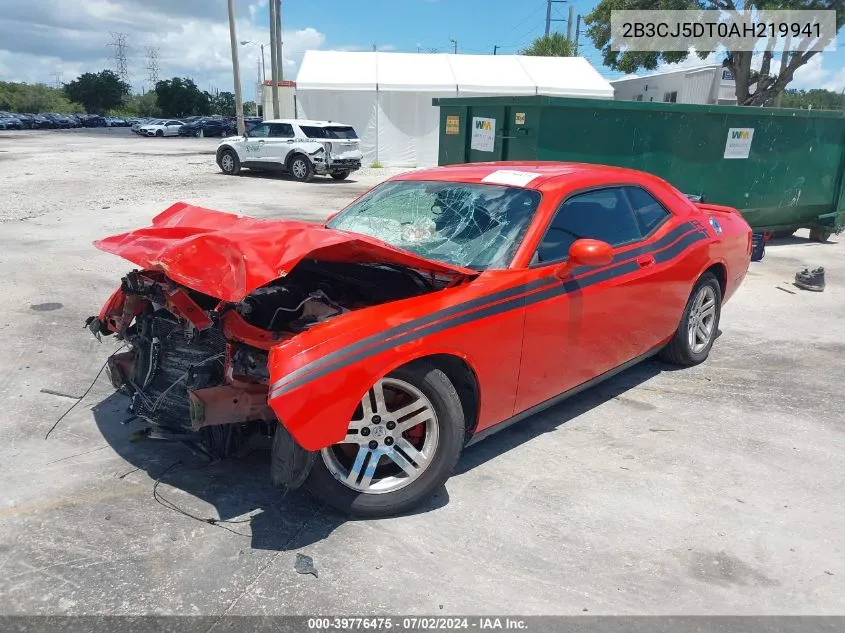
782	168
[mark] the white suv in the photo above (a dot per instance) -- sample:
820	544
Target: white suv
301	148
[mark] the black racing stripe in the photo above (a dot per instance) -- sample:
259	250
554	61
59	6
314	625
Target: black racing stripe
680	246
663	242
349	356
415	323
483	313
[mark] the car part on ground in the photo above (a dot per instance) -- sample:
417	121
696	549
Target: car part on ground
361	350
812	280
300	148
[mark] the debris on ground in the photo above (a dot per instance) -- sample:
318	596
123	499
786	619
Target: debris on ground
305	565
812	280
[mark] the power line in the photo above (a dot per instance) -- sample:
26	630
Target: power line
120	47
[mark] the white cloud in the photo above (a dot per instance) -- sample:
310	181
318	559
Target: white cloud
41	37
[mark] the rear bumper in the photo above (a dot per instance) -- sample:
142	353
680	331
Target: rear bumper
344	164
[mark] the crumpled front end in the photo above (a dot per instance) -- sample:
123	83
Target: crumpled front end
214	294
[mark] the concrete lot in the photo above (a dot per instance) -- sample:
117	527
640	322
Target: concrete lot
712	490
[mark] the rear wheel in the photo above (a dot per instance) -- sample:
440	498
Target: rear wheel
699	324
159	133
301	168
820	234
401	445
229	163
340	175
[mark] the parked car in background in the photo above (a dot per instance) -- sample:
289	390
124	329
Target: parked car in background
9	122
136	127
113	121
26	120
163	127
94	120
60	120
208	127
299	147
37	122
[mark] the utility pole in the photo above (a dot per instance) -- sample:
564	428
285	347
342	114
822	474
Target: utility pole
577	33
152	66
496	47
455	42
120	46
280	60
274	62
569	22
236	71
549	19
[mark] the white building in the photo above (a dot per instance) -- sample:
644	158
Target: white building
387	96
706	84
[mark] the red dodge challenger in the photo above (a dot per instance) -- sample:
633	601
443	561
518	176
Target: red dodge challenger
439	307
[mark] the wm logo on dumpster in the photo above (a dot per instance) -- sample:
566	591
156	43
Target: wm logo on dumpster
481	124
743	135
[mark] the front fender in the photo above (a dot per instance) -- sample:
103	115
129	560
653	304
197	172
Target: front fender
318	378
318	414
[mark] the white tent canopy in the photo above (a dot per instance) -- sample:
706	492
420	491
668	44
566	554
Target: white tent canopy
387	96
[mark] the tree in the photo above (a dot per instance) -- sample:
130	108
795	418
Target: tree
21	97
97	92
250	109
753	87
180	96
223	103
816	99
554	45
144	105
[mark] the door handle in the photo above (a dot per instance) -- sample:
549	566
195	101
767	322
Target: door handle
261	142
645	260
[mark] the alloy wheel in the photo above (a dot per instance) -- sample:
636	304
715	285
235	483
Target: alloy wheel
702	319
227	162
299	168
390	441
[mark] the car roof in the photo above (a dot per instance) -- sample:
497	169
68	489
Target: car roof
308	122
548	175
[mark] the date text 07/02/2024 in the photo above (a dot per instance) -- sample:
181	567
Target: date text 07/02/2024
421	623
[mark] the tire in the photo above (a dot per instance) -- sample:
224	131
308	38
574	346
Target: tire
229	162
390	495
680	350
159	133
340	175
300	168
820	234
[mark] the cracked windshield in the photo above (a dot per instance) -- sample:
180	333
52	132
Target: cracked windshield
477	226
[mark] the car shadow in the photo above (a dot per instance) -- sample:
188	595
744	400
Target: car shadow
239	489
556	416
277	175
794	240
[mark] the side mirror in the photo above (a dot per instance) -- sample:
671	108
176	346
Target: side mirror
585	252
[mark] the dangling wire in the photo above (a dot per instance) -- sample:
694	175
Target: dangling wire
87	391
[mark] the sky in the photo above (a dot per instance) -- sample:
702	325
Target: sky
51	41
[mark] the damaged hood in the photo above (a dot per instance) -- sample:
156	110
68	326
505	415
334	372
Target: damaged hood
227	256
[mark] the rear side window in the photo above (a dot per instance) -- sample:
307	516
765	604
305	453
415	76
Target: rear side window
649	212
604	214
281	130
334	131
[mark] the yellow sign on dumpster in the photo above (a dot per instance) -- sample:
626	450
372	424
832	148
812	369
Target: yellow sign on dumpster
453	125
